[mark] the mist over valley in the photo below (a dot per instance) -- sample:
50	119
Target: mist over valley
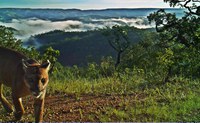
76	32
30	22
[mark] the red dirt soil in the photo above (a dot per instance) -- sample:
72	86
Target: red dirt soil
70	108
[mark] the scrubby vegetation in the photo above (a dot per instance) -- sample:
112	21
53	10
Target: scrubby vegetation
161	72
79	48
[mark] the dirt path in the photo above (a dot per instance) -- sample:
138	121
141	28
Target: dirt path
70	108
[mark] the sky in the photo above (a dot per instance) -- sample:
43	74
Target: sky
83	4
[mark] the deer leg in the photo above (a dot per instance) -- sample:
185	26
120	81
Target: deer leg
19	109
8	107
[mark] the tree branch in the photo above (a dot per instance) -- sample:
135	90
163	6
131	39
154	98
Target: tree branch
189	9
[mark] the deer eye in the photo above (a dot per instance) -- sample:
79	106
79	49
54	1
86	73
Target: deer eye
43	80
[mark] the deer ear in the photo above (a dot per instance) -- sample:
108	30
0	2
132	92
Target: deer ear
46	65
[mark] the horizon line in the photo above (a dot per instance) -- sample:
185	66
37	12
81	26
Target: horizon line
89	9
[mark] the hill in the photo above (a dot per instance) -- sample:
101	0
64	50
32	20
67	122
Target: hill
79	48
8	14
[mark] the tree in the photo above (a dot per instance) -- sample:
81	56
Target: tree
118	40
184	30
192	8
8	40
51	55
180	36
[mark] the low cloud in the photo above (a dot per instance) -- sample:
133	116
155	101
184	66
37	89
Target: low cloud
136	22
34	26
28	27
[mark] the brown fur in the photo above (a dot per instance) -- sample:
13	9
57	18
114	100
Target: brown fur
25	77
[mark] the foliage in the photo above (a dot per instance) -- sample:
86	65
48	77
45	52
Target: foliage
107	66
118	40
91	71
192	7
76	47
181	37
8	40
51	55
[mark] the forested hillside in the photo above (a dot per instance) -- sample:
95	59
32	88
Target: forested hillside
80	48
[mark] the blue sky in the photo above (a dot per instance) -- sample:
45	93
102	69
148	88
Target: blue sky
83	4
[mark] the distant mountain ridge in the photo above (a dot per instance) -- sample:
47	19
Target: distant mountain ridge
7	14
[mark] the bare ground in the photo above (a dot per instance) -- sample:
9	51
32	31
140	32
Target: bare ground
63	107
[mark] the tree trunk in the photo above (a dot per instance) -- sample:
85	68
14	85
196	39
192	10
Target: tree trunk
118	59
